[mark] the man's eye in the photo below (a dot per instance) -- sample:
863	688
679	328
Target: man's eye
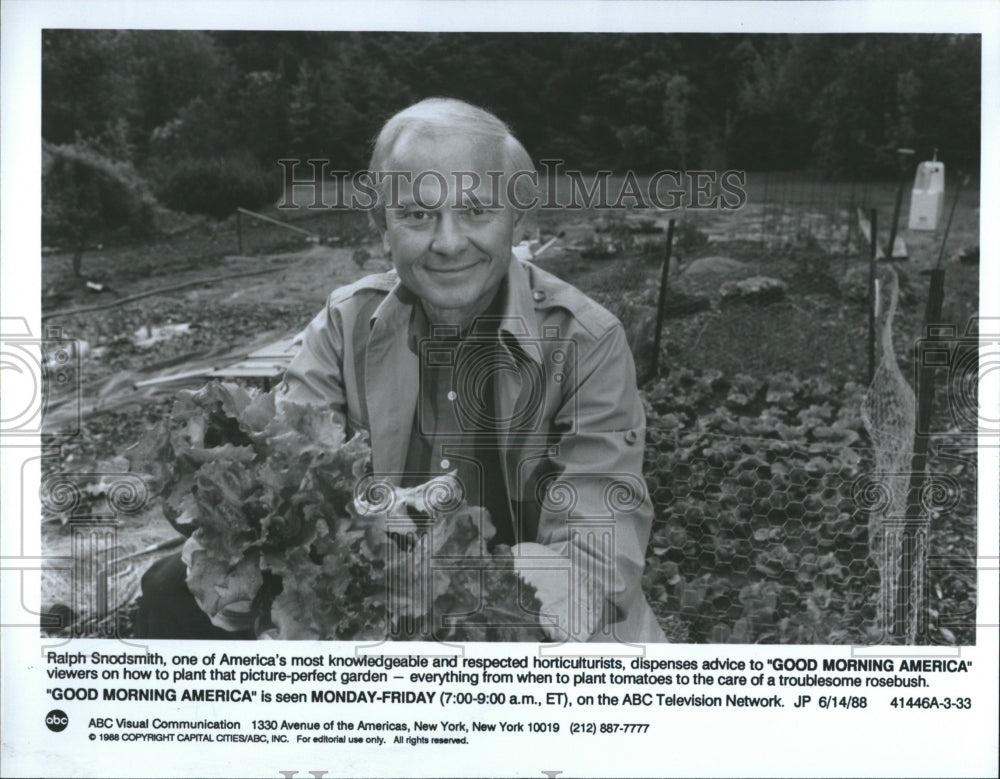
416	215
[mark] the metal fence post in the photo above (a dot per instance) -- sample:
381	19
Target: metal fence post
909	597
661	302
904	155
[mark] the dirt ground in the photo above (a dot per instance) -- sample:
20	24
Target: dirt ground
214	322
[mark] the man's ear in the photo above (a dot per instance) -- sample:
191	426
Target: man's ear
519	215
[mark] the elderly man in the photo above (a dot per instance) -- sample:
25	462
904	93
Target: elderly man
466	360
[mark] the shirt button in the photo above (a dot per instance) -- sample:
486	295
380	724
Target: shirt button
445	465
631	437
452	395
538	295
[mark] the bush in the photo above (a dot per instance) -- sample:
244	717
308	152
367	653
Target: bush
217	186
87	196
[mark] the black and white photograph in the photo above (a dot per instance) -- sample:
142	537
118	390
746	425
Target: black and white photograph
587	344
718	343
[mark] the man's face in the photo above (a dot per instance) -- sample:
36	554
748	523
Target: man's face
449	251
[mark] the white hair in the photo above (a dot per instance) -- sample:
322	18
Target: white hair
443	116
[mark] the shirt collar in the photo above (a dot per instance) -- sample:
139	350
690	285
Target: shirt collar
516	316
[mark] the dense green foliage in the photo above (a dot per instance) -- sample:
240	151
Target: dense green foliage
216	186
87	196
843	102
758	536
761	532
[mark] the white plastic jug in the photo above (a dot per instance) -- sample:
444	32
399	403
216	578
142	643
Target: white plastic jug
927	199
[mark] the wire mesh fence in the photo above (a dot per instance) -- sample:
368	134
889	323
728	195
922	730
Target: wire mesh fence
777	518
252	234
774	522
799	246
771	521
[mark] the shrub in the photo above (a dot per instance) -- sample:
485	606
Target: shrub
217	186
86	195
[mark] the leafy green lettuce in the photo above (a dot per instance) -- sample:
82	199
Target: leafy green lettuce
284	535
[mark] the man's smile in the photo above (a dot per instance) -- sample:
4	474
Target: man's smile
448	270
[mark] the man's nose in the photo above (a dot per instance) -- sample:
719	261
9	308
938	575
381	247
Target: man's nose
449	237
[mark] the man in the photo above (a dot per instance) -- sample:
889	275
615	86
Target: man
465	360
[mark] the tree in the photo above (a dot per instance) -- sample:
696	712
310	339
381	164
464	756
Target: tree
86	195
89	80
339	102
637	101
676	110
112	89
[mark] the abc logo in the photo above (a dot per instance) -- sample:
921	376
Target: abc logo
56	720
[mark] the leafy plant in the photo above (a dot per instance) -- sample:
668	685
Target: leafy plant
86	195
289	531
216	186
757	536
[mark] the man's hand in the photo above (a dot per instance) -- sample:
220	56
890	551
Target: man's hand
570	610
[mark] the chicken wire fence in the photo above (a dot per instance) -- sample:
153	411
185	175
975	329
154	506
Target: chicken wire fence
766	541
799	245
776	519
786	508
781	515
793	510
